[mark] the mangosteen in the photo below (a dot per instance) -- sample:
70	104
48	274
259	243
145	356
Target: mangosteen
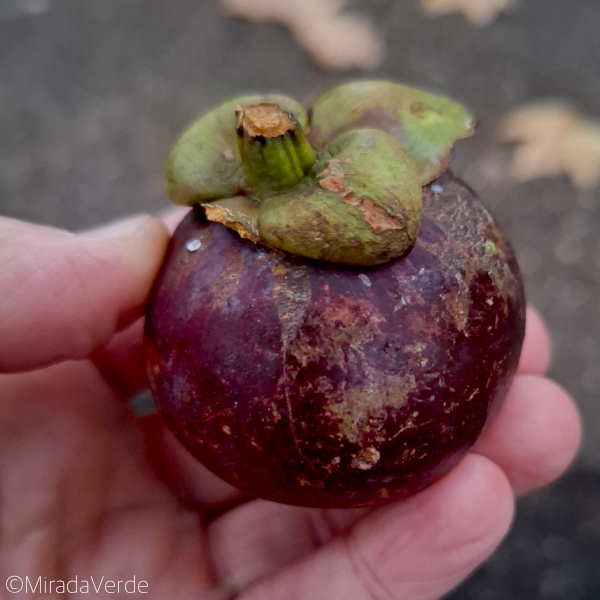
339	316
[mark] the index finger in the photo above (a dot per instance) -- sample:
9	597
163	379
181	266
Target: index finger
64	295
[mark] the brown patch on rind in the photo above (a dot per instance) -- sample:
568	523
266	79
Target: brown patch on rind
228	281
334	184
338	340
334	180
292	294
334	176
376	216
366	459
361	413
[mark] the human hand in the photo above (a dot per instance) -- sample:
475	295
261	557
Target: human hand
88	489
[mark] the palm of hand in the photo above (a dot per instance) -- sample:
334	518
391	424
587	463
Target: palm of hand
87	489
78	493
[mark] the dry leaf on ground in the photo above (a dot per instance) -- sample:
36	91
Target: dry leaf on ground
478	12
553	139
336	39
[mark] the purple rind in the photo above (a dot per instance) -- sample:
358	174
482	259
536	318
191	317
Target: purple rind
321	385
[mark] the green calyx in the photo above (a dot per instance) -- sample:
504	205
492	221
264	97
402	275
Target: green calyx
344	188
362	205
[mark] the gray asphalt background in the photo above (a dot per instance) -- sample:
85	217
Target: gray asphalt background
92	93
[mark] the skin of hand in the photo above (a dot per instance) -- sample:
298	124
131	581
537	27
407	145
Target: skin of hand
87	489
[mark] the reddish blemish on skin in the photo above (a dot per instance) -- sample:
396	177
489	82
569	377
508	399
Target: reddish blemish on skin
376	216
333	178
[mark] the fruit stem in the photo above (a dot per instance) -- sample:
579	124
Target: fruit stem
275	152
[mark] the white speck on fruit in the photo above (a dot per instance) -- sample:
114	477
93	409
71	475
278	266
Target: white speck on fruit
365	279
437	188
193	245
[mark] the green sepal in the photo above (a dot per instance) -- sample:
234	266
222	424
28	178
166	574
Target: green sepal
362	207
205	163
427	125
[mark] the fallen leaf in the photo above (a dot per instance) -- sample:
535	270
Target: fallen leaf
553	139
335	39
478	12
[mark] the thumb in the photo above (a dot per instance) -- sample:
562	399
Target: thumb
62	295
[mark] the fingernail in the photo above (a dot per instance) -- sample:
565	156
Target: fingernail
120	229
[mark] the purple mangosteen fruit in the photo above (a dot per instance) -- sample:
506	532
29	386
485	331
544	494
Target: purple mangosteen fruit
339	316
